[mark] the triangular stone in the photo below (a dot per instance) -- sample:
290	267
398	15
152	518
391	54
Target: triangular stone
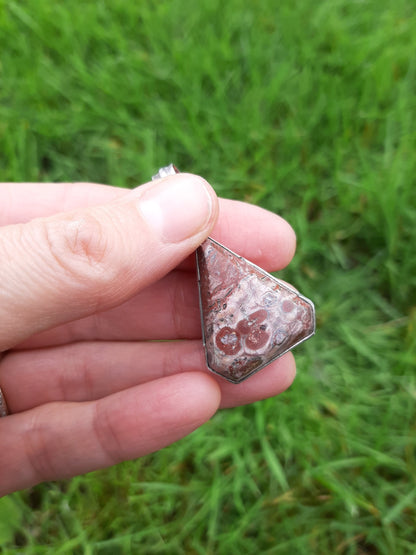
249	318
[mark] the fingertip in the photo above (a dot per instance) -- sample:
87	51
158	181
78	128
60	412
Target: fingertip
212	195
280	247
262	237
271	381
202	394
178	208
290	371
287	241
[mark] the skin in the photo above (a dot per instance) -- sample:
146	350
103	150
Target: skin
84	307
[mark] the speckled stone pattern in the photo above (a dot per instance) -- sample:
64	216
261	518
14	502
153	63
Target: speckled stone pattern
249	318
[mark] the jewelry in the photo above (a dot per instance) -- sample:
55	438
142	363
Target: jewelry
3	405
249	318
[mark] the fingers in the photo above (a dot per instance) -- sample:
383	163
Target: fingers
257	234
168	309
67	266
89	371
60	440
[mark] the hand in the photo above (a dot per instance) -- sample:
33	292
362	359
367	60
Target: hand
90	277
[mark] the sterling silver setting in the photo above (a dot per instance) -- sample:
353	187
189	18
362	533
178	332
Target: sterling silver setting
4	411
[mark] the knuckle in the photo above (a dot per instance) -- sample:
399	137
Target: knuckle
81	247
77	383
107	435
85	241
40	448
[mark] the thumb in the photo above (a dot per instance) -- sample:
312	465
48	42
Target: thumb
73	264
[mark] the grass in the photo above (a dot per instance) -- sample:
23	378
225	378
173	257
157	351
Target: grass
306	108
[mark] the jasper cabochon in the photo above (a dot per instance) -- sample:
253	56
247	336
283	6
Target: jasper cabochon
249	318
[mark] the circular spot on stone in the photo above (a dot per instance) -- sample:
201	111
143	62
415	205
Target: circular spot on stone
243	326
252	321
257	338
259	316
228	340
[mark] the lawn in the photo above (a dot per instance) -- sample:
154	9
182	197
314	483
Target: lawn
308	109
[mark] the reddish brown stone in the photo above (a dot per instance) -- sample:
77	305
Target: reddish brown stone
249	318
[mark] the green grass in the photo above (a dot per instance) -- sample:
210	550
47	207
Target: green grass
309	109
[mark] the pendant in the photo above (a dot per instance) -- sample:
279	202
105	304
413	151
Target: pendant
249	318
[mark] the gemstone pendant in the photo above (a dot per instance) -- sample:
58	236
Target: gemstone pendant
249	318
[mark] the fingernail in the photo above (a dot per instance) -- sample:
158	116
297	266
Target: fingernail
177	207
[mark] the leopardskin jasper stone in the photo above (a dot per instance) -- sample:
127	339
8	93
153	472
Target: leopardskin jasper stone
249	318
